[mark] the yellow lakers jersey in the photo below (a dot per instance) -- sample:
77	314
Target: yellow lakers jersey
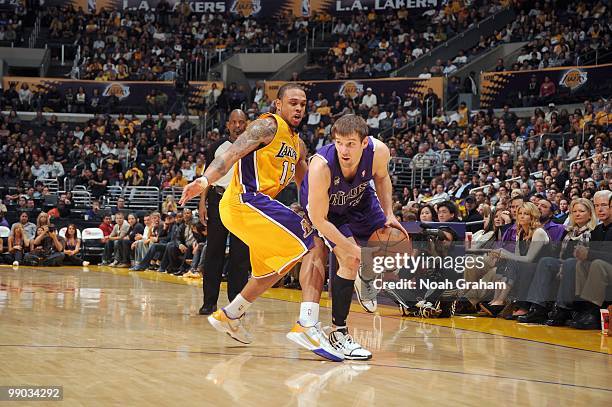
271	168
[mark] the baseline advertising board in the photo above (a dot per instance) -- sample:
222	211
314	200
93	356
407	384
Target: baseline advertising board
414	87
132	94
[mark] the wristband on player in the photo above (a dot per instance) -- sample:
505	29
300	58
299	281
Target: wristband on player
203	181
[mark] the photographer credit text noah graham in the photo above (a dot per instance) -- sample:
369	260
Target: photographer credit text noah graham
428	284
381	264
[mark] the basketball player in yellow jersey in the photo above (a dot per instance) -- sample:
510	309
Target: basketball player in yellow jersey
269	155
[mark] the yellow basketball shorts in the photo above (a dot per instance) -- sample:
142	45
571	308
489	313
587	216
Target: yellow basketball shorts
277	237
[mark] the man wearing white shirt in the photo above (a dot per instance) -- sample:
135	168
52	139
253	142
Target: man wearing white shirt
373	121
174	123
39	169
98	44
413	114
460	59
369	99
78	133
258	93
239	263
426	74
449	68
55	169
440	195
339	29
188	171
354	27
213	94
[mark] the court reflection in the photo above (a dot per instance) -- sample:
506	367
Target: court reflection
227	376
323	382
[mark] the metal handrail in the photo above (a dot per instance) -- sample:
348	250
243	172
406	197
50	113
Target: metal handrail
35	32
536	174
605	153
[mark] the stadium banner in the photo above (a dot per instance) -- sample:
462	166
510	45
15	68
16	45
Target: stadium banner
414	87
573	84
128	93
259	8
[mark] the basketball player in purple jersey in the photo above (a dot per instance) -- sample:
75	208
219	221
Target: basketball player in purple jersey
346	211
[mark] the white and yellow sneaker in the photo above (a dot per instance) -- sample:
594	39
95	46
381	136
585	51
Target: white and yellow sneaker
233	327
314	339
345	344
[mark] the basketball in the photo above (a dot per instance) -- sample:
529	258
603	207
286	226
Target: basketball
390	241
385	242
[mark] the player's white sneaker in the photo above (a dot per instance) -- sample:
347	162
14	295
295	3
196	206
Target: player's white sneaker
366	294
233	327
314	339
346	344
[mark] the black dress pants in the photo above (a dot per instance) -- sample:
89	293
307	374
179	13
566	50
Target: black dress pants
239	263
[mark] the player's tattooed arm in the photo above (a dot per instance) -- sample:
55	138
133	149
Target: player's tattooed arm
258	134
302	165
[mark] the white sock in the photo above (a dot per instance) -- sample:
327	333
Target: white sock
309	314
237	308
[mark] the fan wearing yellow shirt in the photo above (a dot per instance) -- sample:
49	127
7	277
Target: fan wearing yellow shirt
178	180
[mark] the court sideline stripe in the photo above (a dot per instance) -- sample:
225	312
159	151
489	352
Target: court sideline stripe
424	321
306	359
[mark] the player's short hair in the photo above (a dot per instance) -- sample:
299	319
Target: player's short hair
288	86
350	124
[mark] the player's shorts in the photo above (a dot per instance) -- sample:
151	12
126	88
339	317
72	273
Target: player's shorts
277	237
359	222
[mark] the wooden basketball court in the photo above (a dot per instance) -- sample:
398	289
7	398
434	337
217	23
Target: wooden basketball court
111	337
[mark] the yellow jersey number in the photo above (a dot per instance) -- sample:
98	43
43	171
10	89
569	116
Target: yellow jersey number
288	173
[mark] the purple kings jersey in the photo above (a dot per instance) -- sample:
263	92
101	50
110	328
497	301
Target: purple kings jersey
345	195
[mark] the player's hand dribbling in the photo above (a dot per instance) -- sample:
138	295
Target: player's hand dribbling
392	222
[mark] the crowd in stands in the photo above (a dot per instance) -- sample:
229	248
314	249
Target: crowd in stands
12	19
368	44
558	34
155	45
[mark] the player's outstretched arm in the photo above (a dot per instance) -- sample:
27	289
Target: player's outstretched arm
382	182
319	179
258	134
